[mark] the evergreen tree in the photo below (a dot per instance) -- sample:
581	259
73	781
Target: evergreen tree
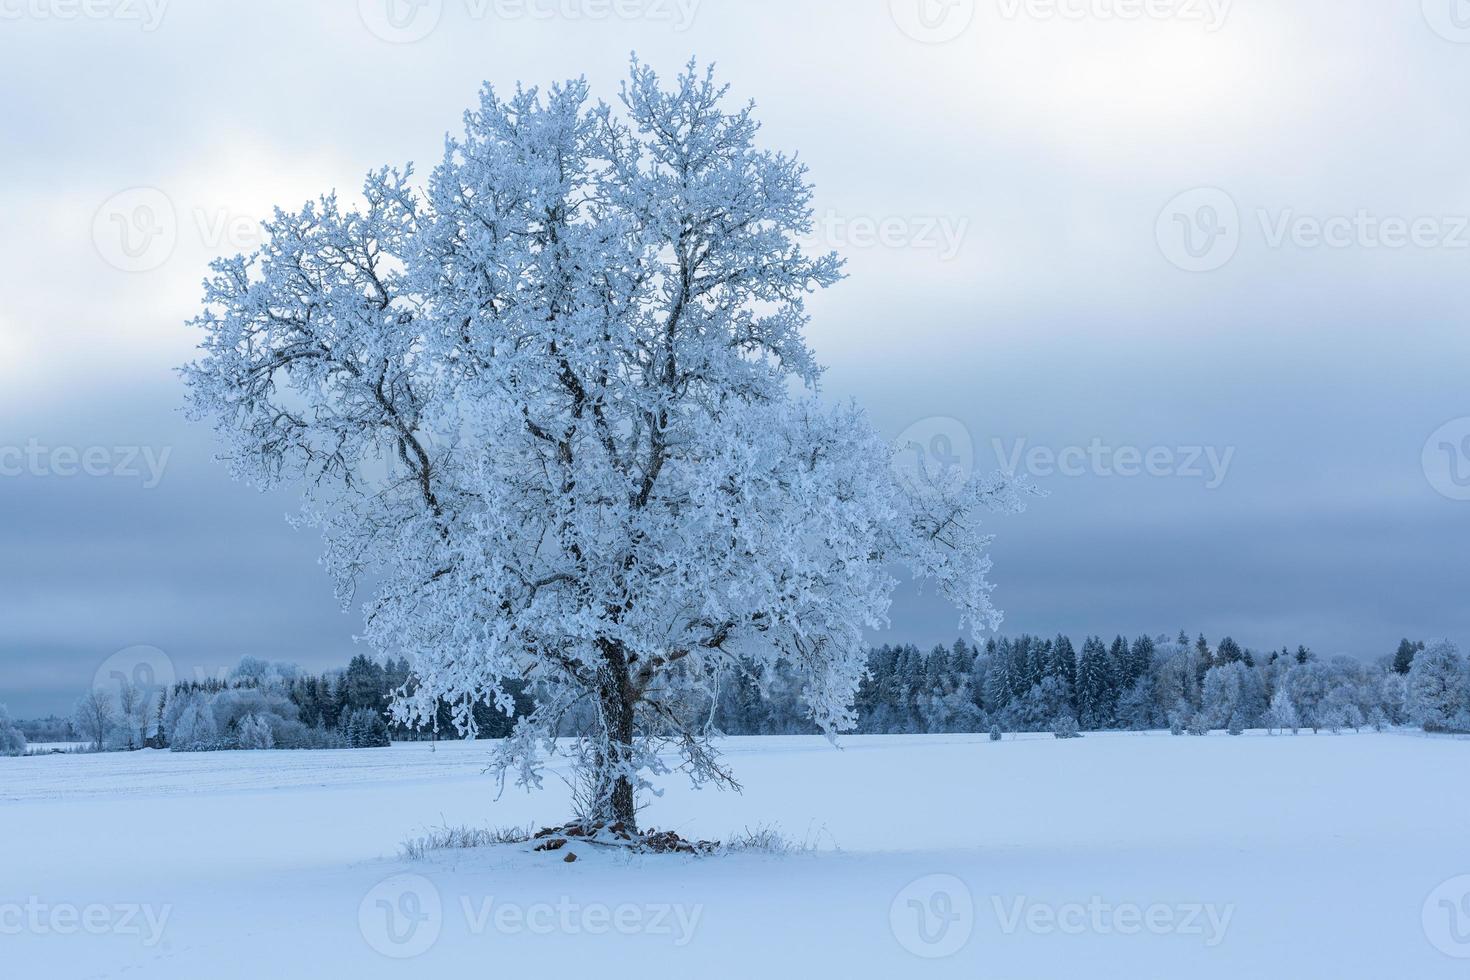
1403	659
1063	666
1096	695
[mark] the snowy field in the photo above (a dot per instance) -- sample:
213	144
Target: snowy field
1111	856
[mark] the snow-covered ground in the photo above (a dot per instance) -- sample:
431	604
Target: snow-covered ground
1110	856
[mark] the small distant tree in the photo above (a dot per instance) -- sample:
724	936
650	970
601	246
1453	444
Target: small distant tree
158	739
1066	727
132	715
995	733
1436	687
1403	659
1281	714
195	730
12	742
94	718
366	729
254	733
1307	682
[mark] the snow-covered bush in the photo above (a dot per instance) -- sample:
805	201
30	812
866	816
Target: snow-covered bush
995	733
1065	727
12	742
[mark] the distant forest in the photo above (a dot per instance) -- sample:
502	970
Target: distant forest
1013	684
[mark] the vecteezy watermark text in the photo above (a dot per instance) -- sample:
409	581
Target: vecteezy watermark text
1101	918
145	463
148	14
942	234
1202	229
403	916
39	918
407	21
1211	14
1210	464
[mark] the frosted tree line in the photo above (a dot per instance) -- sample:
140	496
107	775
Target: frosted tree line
1030	683
258	705
1019	684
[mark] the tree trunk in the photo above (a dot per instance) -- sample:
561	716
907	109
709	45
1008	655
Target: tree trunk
616	800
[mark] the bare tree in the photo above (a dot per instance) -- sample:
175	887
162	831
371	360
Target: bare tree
134	704
94	717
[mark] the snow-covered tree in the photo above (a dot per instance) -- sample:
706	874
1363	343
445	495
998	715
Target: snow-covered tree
1281	714
1403	658
1307	683
195	730
546	401
1136	705
12	742
254	733
1436	690
95	717
1096	699
134	705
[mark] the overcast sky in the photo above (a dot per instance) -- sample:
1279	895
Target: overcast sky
1199	267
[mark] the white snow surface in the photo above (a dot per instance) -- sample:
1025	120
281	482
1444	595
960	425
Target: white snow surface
1257	856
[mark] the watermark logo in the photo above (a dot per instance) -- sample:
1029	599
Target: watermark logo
933	916
136	230
401	916
1446	917
148	14
145	669
936	454
1450	19
932	21
1199	230
1446	459
400	21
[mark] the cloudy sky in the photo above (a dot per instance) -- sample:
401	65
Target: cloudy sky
1198	266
